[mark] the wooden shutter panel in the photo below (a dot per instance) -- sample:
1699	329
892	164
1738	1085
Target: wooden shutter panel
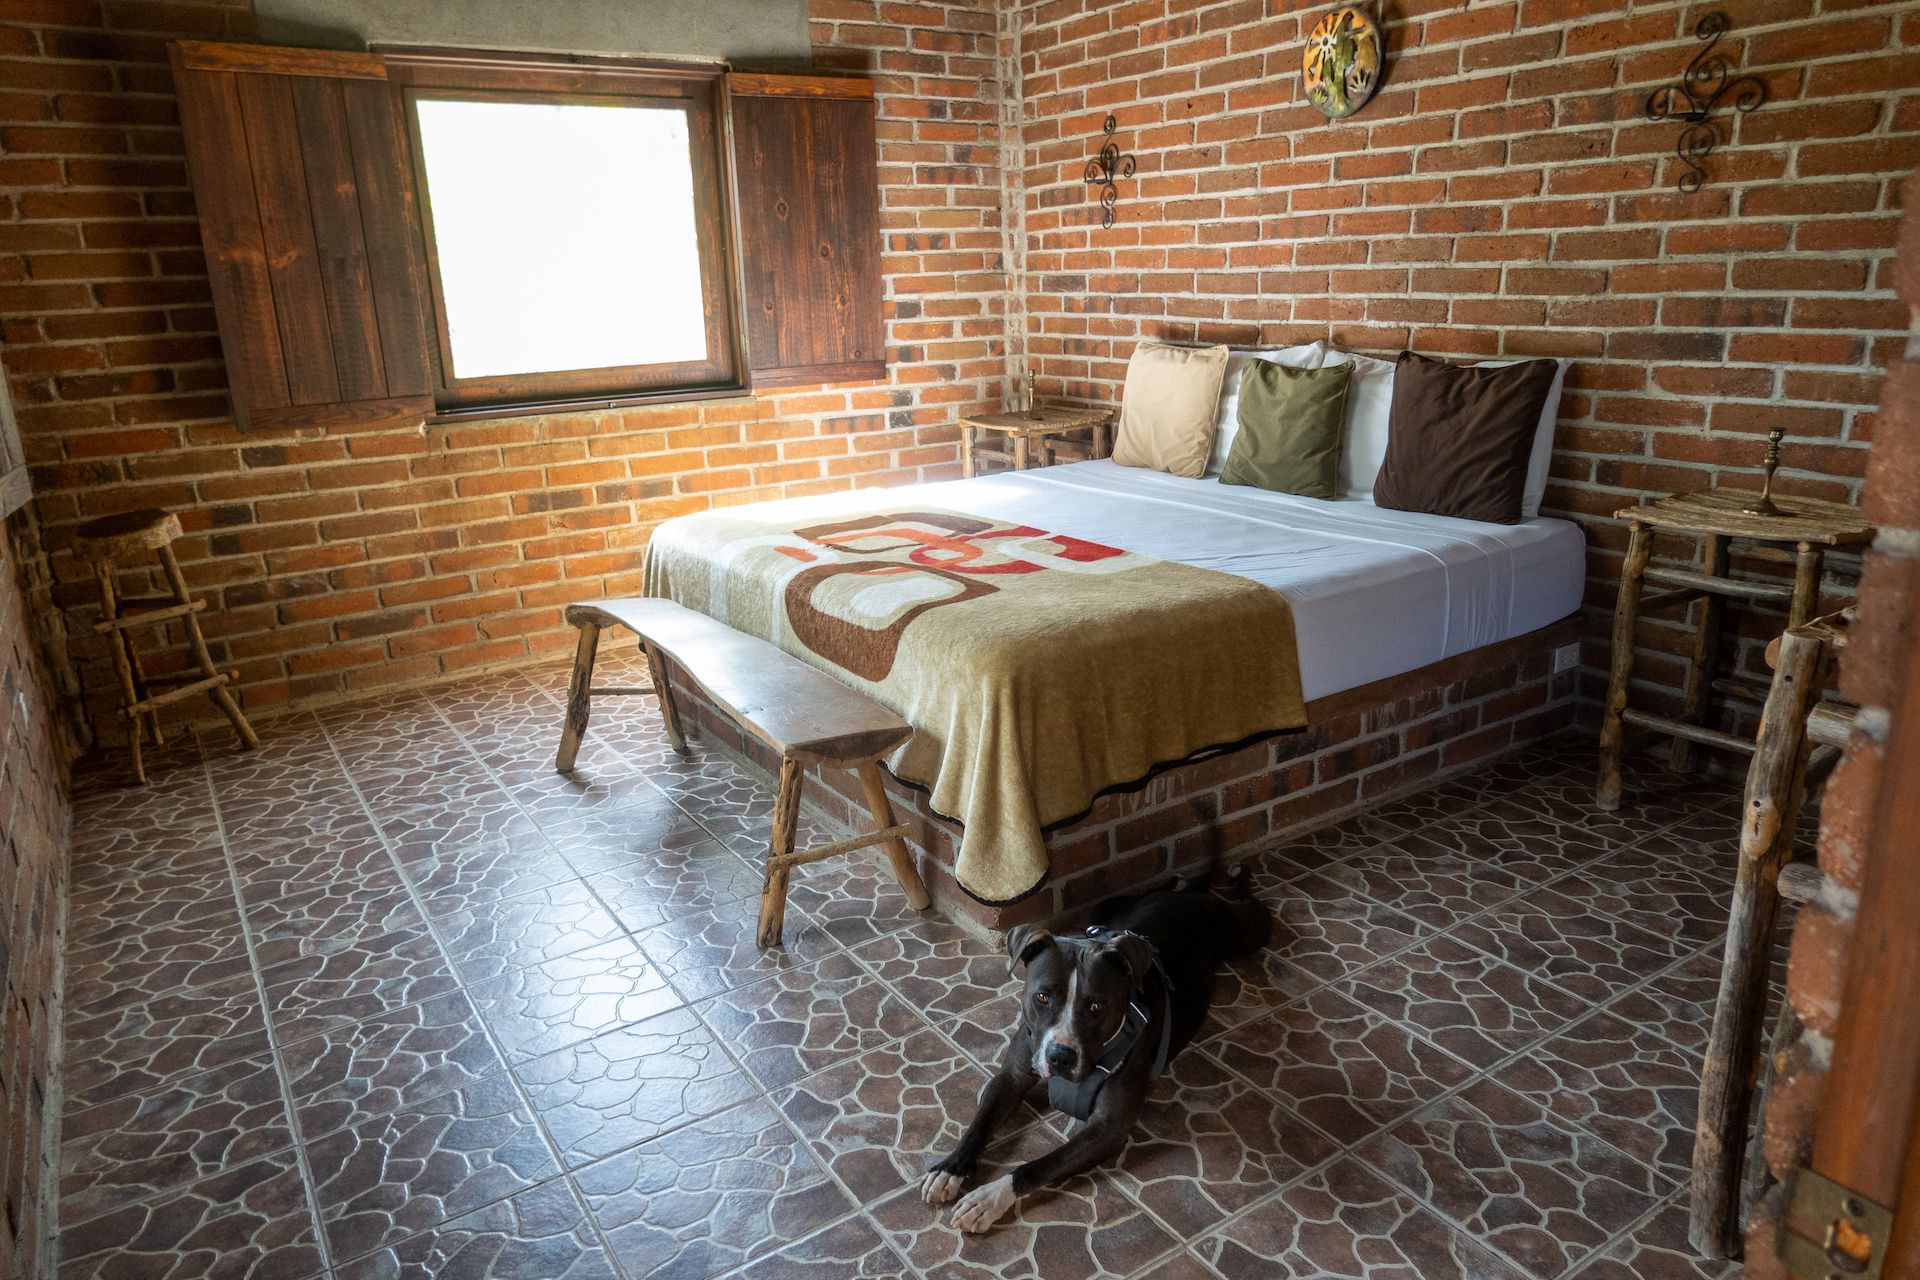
305	193
807	186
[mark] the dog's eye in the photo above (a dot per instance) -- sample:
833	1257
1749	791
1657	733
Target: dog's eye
1093	1006
1042	999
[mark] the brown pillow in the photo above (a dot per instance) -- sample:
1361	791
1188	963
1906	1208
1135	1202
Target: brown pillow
1459	436
1168	408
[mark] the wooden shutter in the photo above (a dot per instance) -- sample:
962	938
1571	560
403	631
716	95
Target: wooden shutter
807	188
306	202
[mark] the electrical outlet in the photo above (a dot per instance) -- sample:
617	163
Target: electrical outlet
1566	658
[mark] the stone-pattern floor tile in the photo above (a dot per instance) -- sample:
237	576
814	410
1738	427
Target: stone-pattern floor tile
549	1006
141	1145
388	1062
801	1021
142	1047
1540	1193
1322	932
849	1250
710	952
709	1197
617	1090
879	1120
1657	1249
492	938
249	1222
1573	942
419	1166
1348	1222
1622	1082
314	995
486	983
940	968
649	889
1208	1145
1466	1002
541	1234
1086	1229
1346	1069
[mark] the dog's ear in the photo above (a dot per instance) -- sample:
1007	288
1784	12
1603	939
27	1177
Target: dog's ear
1132	954
1025	941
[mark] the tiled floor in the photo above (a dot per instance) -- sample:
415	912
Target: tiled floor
387	998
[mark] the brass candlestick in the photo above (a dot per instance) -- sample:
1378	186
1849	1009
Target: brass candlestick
1033	401
1764	505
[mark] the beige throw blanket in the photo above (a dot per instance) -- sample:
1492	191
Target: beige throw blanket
1037	670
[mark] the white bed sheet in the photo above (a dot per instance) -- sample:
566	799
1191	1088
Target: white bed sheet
1374	592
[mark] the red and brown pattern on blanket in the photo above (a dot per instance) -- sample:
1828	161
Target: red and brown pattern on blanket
1037	669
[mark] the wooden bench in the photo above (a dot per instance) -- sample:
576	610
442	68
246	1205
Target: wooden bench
801	713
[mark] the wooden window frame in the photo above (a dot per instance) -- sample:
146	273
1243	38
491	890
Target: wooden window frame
487	75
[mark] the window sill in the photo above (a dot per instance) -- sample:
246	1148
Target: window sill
586	404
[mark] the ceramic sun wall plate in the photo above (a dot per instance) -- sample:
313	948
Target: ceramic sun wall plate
1341	65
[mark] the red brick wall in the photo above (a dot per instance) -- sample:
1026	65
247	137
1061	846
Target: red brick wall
1503	194
33	874
342	561
1889	608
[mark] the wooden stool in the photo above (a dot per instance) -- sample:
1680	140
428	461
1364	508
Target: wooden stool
1042	431
1717	517
104	542
801	713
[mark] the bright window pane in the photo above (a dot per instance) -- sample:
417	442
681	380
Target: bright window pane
565	235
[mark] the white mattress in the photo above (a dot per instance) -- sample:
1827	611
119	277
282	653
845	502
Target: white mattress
1374	592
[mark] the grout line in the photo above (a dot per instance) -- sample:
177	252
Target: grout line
309	1187
507	1065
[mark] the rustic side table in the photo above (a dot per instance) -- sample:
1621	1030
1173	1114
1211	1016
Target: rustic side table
1043	432
1718	517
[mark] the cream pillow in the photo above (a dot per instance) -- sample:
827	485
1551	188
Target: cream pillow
1369	398
1226	424
1167	408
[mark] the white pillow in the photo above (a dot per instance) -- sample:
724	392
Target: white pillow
1541	459
1227	423
1369	403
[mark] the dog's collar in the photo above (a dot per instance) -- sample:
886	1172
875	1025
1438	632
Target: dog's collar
1077	1099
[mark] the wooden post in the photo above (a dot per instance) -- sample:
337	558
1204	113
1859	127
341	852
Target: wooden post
896	849
669	714
1022	452
1809	563
579	696
221	695
786	819
122	664
1706	647
1775	783
966	451
1103	438
1626	614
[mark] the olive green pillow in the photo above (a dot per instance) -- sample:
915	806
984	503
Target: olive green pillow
1290	429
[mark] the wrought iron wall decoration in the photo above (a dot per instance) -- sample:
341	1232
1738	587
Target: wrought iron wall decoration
1340	66
1104	168
1706	83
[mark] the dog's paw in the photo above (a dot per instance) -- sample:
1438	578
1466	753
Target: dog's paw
985	1205
939	1186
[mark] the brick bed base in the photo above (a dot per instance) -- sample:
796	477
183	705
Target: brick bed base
1361	747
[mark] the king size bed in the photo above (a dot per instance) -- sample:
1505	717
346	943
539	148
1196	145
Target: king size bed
1054	635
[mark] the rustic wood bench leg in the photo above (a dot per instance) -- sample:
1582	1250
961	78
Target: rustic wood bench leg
786	820
579	697
124	666
1625	615
669	714
1767	829
197	642
896	849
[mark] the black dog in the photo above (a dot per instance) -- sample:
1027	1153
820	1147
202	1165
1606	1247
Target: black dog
1102	1015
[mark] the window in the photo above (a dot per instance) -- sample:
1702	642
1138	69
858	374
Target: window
574	232
407	233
